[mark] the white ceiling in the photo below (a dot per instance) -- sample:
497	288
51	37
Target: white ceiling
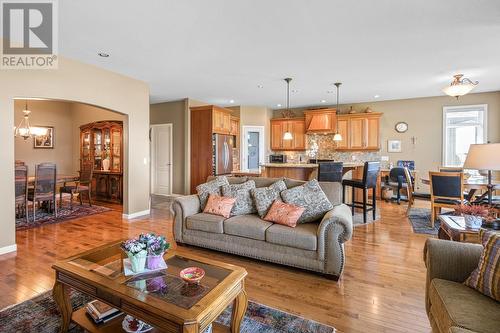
220	50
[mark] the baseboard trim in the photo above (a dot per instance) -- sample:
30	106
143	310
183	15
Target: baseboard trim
137	214
8	249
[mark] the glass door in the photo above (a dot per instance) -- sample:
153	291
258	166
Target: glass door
98	149
116	150
86	146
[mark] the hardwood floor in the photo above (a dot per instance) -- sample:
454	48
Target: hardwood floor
382	289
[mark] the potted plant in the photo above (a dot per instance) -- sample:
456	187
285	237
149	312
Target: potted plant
136	252
155	247
473	214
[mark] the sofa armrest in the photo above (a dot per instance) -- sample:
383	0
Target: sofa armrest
449	260
183	207
334	230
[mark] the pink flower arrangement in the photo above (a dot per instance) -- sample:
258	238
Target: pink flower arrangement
474	210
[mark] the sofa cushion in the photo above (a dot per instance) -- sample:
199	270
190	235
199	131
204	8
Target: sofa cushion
311	197
211	187
218	205
303	236
230	179
454	304
265	196
241	192
284	214
206	222
249	226
486	277
333	190
264	181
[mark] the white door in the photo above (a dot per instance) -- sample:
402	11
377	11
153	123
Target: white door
252	142
161	159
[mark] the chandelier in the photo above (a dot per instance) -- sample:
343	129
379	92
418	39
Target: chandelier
337	136
287	113
459	86
24	130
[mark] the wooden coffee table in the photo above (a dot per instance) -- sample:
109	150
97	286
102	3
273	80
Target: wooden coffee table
453	228
161	299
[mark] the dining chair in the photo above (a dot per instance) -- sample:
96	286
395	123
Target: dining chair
450	169
410	164
410	192
447	191
45	188
397	180
82	186
21	178
369	181
330	171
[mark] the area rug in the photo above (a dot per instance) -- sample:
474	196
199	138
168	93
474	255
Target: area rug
420	219
40	315
63	214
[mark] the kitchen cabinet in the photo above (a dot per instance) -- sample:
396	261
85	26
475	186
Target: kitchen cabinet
360	132
296	126
221	120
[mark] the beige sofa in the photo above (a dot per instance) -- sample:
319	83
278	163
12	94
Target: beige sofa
313	246
451	306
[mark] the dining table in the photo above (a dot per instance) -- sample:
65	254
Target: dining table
473	184
60	178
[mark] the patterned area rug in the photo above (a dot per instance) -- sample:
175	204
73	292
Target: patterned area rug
63	214
40	315
420	219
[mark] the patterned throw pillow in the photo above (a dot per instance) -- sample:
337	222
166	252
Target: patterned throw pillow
217	205
211	187
486	277
265	196
284	214
244	203
311	197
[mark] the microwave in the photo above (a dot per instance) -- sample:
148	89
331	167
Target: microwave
277	158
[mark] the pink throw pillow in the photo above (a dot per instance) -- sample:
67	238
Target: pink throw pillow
218	205
283	213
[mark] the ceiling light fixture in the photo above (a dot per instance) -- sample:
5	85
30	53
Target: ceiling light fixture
24	130
260	86
376	96
459	86
231	101
323	101
287	113
337	137
278	105
102	54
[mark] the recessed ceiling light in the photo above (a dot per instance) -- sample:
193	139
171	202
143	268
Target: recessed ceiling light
295	91
231	101
278	105
376	96
323	101
330	92
260	86
104	55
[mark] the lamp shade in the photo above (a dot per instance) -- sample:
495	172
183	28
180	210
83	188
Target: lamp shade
483	157
287	136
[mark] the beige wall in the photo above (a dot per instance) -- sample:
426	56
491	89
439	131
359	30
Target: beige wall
174	113
425	122
75	81
46	113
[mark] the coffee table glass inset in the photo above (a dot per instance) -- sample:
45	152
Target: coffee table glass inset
160	298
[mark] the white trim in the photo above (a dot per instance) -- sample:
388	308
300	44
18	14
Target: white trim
136	214
153	157
457	108
8	249
244	146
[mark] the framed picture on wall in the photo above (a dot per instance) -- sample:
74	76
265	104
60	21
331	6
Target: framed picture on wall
394	146
46	140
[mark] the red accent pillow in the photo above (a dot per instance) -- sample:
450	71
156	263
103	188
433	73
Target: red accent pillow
218	205
283	213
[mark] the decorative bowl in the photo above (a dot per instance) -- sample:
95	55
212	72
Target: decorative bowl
192	274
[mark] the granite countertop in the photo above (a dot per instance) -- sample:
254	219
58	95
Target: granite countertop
307	165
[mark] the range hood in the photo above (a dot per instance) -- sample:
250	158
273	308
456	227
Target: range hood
320	121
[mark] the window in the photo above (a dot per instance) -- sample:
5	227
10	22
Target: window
462	126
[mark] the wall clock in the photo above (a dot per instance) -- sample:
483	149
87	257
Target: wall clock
401	127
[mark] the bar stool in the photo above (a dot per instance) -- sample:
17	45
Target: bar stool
330	171
369	181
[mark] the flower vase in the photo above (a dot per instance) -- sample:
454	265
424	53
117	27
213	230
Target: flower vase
138	261
472	221
154	262
105	164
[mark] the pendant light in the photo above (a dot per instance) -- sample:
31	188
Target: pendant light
337	137
459	86
24	130
288	114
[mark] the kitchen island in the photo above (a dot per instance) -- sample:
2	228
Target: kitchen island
301	171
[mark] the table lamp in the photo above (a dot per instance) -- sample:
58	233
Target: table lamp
484	157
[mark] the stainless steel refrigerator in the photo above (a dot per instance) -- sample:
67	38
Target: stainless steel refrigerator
223	154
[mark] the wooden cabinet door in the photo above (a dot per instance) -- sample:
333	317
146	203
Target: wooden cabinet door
235	126
357	135
276	135
115	187
343	130
216	121
226	122
101	189
299	135
372	133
